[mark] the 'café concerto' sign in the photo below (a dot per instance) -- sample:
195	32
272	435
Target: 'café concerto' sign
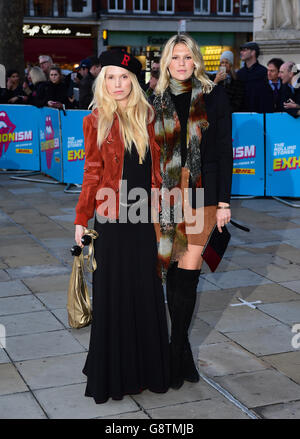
47	30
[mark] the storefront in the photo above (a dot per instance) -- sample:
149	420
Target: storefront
146	46
66	44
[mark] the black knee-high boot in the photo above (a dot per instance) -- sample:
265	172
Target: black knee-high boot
171	286
182	308
190	371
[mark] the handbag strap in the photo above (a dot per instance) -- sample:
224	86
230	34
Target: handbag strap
91	261
239	226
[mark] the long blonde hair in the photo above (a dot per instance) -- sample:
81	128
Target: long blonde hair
133	119
166	59
37	75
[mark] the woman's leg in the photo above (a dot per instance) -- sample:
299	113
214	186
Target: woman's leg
192	259
181	307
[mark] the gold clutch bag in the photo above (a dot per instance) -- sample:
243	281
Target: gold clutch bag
79	303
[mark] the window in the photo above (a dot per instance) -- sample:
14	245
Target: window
78	5
58	8
225	7
165	6
141	6
202	6
42	8
117	5
246	7
79	8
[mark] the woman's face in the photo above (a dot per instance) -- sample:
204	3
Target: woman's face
118	84
15	78
54	76
226	64
182	64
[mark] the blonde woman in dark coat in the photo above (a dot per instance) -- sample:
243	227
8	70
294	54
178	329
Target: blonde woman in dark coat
193	129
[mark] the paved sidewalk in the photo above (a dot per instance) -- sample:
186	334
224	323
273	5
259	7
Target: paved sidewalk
247	351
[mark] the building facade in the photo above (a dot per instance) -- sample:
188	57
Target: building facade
69	29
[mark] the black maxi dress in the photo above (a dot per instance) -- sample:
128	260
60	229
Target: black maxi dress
128	349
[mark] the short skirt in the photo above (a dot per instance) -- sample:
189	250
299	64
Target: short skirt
208	216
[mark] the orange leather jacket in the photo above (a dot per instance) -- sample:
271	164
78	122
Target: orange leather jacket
103	167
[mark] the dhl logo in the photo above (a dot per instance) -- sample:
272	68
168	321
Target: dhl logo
243	171
284	163
24	151
74	155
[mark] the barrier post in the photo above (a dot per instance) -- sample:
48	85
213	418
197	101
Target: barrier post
19	138
248	155
73	148
282	157
50	143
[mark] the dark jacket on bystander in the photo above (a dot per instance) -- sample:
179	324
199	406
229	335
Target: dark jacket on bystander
255	80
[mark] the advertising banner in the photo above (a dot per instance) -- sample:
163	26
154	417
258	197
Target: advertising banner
73	145
19	137
282	155
50	144
248	154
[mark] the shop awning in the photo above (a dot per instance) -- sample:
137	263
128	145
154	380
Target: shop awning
61	50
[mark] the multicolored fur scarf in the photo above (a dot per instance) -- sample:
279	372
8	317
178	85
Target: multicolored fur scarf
173	239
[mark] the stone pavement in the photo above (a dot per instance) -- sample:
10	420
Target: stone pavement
245	354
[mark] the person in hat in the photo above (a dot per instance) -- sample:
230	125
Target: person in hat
193	129
83	68
86	84
255	79
74	78
128	350
227	78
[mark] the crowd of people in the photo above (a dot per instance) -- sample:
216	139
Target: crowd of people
252	88
260	89
180	143
46	85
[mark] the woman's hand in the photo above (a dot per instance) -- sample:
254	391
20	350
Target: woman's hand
13	100
79	232
55	104
26	88
9	84
220	76
58	105
290	104
223	216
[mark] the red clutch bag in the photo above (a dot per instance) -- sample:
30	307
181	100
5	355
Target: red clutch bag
216	245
